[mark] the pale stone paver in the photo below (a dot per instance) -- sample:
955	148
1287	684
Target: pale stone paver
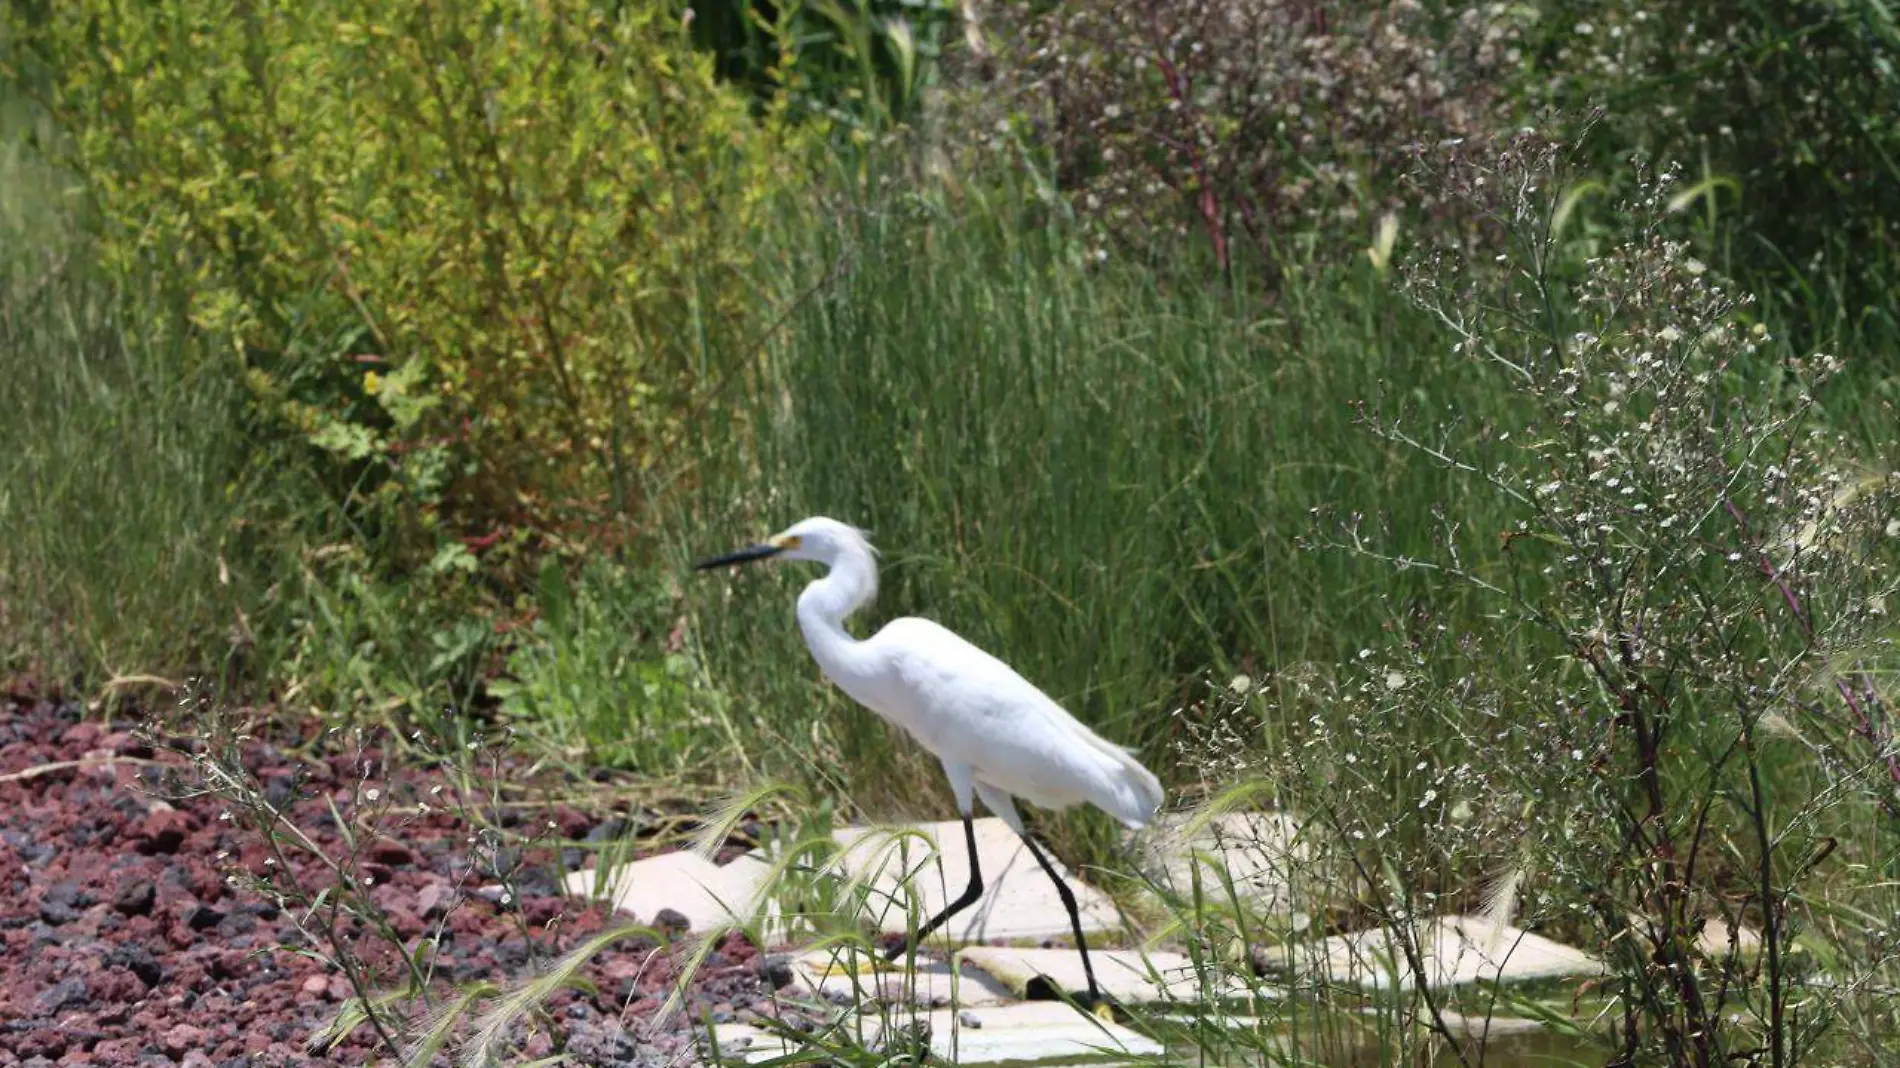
1262	853
1030	1032
1019	901
1127	976
707	894
1714	940
849	976
1488	1027
1023	1033
1455	949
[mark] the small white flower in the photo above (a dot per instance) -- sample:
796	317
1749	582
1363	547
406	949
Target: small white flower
373	794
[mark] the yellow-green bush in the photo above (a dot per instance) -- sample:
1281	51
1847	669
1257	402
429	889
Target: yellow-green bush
474	251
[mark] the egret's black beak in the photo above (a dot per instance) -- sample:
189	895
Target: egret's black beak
740	556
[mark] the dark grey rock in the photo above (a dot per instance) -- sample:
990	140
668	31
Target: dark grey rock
203	917
135	898
777	970
61	902
237	925
601	1045
136	959
607	831
65	994
672	920
502	862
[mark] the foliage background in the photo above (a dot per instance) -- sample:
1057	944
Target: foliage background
386	358
1272	382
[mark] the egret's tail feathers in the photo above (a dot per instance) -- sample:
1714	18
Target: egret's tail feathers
1136	794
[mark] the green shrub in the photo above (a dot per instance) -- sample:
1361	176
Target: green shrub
1262	126
475	252
595	676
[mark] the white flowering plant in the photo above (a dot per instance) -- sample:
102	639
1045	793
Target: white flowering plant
1670	737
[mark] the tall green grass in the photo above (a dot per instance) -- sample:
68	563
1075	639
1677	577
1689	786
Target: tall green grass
128	493
1099	474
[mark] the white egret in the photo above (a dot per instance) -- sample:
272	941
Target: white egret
996	734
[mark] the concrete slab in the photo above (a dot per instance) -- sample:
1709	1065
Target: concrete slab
1714	940
1455	950
1488	1027
847	976
1261	852
1032	1033
1019	901
707	894
1128	976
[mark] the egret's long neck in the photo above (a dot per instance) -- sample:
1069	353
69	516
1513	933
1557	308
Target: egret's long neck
823	606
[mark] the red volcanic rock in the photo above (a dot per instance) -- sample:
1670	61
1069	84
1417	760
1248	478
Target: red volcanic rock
127	943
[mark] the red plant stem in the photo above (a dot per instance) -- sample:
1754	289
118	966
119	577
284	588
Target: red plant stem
1865	724
1867	730
1210	207
1768	569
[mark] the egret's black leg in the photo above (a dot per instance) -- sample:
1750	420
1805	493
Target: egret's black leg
970	894
1075	917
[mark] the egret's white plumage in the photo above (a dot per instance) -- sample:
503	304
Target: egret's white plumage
993	730
997	735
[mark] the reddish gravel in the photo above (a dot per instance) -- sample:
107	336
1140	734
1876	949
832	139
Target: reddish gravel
124	944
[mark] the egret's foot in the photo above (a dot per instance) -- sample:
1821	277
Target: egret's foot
899	952
1094	1002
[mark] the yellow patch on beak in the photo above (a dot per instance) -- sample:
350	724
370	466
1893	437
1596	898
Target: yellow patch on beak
783	542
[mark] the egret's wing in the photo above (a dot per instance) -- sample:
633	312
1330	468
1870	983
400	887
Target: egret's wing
968	706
